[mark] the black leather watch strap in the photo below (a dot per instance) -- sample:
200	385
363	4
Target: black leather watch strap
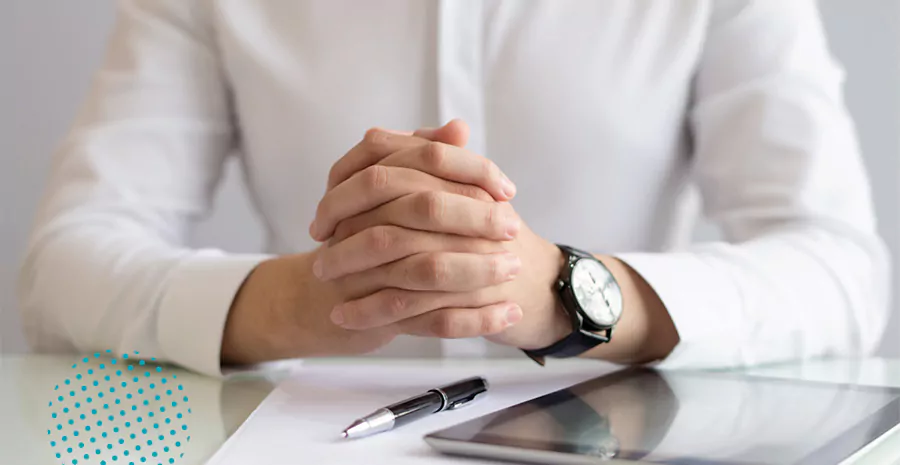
572	345
574	251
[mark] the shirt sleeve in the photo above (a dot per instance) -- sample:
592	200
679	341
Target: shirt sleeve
108	265
801	271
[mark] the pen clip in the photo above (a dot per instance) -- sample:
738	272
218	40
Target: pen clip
462	402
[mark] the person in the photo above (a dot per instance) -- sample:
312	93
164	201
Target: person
605	126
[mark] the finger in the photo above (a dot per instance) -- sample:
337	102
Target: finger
375	186
454	323
354	224
376	144
456	132
455	164
379	245
446	271
366	190
379	143
389	306
400	133
439	212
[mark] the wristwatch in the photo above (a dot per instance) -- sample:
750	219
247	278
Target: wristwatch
591	298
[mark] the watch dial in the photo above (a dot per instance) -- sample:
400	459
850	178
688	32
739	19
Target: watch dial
597	292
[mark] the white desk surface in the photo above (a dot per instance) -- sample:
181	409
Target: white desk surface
220	406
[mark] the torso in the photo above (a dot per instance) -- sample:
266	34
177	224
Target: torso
583	104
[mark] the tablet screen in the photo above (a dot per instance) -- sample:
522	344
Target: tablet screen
694	418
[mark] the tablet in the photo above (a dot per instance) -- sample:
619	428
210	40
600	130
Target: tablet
682	418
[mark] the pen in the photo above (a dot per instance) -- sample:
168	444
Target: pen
436	400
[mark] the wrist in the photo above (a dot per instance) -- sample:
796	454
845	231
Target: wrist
560	326
239	344
555	323
264	323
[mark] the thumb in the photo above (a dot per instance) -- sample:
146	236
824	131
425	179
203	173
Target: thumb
456	132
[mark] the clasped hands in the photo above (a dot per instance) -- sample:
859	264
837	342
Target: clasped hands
419	238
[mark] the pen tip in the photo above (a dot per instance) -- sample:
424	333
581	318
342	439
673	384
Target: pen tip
344	434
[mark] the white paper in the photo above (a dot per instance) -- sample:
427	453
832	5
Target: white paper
301	420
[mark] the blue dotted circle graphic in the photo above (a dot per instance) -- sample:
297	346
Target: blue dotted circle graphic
96	415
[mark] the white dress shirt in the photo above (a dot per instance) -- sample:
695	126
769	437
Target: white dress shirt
605	115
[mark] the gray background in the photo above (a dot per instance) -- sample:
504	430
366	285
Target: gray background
50	47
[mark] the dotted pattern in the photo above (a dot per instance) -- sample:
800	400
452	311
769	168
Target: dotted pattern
113	411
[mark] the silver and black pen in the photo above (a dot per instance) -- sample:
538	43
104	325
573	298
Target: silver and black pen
435	400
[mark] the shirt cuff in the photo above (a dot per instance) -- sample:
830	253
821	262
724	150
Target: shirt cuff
195	305
704	304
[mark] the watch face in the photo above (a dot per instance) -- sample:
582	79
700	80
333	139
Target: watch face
597	292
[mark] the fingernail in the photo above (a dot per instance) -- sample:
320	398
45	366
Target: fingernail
513	315
337	316
509	189
512	227
317	268
513	266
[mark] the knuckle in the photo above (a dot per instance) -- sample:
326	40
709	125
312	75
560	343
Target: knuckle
495	269
487	323
374	139
444	324
396	305
352	314
435	270
434	154
493	217
375	177
431	205
381	238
